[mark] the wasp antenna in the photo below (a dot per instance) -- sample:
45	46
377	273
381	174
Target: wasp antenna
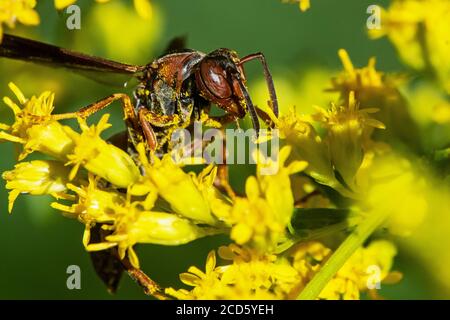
267	75
251	108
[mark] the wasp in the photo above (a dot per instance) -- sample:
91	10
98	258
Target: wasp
173	91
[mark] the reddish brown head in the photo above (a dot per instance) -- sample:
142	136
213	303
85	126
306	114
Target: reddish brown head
221	80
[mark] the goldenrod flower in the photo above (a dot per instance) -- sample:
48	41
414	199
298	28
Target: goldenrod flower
373	88
37	177
34	128
262	216
307	145
420	32
143	198
276	187
367	83
367	268
176	187
92	204
99	157
348	129
204	182
129	222
138	226
258	275
250	275
134	225
17	10
364	271
207	285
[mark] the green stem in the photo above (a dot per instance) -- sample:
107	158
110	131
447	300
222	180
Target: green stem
341	255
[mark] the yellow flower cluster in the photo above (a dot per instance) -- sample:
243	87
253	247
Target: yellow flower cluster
420	32
155	201
122	198
331	162
22	11
367	83
248	274
95	191
366	269
348	133
146	199
335	158
260	219
37	130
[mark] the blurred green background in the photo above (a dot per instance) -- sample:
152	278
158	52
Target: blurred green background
38	244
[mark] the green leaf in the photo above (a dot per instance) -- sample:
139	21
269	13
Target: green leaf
313	223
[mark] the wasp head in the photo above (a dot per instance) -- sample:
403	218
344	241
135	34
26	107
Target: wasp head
221	80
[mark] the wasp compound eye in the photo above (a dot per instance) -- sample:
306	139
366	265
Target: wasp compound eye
215	79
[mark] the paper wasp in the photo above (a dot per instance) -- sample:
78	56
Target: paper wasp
174	90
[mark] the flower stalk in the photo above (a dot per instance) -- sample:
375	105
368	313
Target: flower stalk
342	254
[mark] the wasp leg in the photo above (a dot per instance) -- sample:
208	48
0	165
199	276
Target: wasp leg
150	287
222	180
149	134
149	119
101	104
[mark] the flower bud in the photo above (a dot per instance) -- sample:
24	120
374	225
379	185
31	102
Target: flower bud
179	190
34	127
36	178
99	157
160	228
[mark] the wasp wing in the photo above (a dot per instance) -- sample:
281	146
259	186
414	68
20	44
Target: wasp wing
38	52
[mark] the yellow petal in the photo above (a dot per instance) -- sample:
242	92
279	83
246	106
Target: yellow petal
29	17
241	233
20	96
11	198
252	188
346	62
189	279
100	246
132	256
143	8
304	5
61	4
86	237
210	262
296	166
